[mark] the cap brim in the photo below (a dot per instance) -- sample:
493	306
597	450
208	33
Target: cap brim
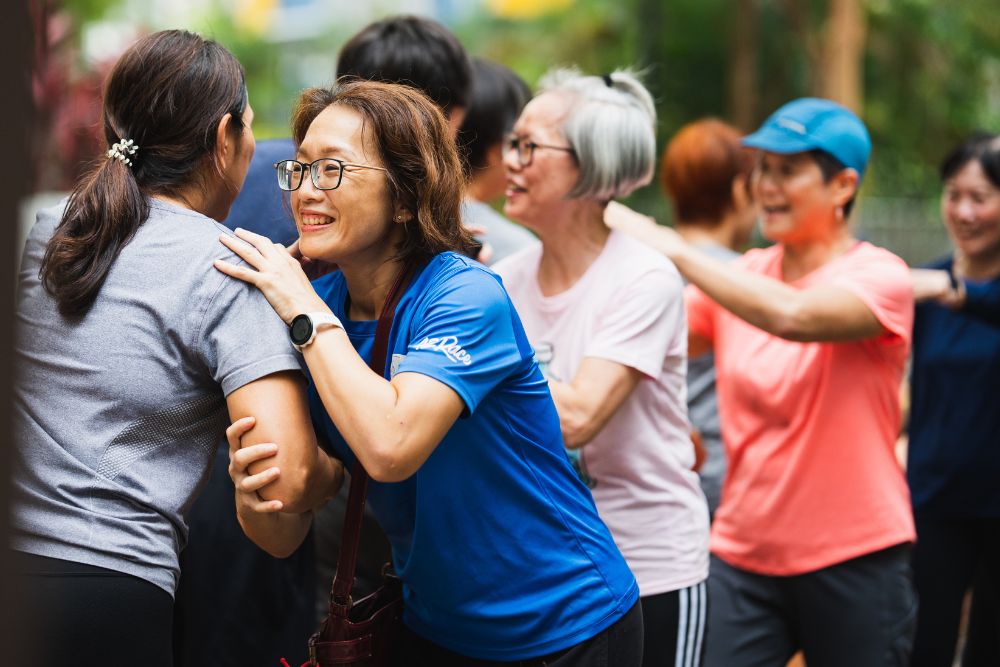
778	140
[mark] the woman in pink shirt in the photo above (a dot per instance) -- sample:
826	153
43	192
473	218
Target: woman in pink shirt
810	545
605	316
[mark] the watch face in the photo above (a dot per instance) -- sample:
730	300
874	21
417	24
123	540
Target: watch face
301	329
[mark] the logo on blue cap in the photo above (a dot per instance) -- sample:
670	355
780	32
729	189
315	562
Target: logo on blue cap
811	123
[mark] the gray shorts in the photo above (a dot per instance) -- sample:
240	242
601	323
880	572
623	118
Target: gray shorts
859	613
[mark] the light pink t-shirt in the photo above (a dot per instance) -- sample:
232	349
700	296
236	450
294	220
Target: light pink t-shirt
809	428
628	308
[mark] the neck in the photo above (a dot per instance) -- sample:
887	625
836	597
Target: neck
705	232
570	245
477	189
368	285
981	267
197	199
802	258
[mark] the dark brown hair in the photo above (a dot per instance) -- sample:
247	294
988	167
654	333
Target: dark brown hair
497	98
698	169
412	50
167	94
415	145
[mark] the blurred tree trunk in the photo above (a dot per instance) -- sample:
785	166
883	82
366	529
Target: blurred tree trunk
743	79
843	53
835	51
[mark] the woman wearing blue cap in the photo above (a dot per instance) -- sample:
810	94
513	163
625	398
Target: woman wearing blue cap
810	544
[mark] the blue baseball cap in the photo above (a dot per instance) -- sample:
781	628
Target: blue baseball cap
809	123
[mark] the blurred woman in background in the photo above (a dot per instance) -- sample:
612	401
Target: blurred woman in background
705	172
605	316
498	94
811	543
953	464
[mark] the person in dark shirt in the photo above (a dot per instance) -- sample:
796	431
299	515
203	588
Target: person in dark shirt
953	461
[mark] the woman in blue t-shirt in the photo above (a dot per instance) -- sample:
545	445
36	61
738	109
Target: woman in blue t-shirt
953	463
498	544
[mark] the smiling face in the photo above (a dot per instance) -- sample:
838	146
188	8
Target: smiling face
970	208
537	193
795	204
354	223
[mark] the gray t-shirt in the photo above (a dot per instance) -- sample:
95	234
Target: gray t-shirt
117	414
504	236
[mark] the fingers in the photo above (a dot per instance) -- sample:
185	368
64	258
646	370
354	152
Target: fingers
485	255
242	458
254	483
236	431
263	506
239	272
247	252
262	243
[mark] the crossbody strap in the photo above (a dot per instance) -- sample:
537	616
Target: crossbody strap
343	581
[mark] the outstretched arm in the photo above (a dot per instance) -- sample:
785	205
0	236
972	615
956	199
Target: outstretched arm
823	313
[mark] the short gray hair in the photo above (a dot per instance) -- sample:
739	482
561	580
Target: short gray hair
611	125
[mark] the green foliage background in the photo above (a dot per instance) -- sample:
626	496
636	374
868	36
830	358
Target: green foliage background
931	68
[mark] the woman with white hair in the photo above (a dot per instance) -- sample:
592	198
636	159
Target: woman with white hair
606	318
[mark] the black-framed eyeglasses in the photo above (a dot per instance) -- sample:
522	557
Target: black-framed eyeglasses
526	149
326	172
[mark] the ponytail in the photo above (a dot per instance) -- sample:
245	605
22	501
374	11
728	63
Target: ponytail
103	214
166	94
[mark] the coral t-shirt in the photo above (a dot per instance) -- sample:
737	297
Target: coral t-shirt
810	428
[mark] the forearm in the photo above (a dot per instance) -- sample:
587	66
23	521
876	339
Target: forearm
325	481
586	404
575	419
764	302
279	533
390	436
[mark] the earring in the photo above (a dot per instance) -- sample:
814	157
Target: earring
399	218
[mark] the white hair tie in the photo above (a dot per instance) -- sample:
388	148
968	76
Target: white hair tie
122	150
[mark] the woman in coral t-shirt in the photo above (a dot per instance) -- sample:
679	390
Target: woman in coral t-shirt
810	545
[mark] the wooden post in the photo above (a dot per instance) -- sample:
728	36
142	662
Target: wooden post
843	53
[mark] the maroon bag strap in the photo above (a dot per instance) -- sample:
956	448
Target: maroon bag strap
343	581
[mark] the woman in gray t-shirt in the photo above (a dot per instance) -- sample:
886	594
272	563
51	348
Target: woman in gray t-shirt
133	353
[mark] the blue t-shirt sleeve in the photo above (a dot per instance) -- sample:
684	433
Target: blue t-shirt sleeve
465	337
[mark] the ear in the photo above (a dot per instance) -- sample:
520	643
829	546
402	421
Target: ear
225	145
844	185
455	117
741	192
401	216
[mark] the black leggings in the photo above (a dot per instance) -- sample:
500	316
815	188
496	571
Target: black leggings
78	614
952	556
618	646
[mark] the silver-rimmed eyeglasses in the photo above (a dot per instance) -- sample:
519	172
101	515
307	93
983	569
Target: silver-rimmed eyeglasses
326	172
526	149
